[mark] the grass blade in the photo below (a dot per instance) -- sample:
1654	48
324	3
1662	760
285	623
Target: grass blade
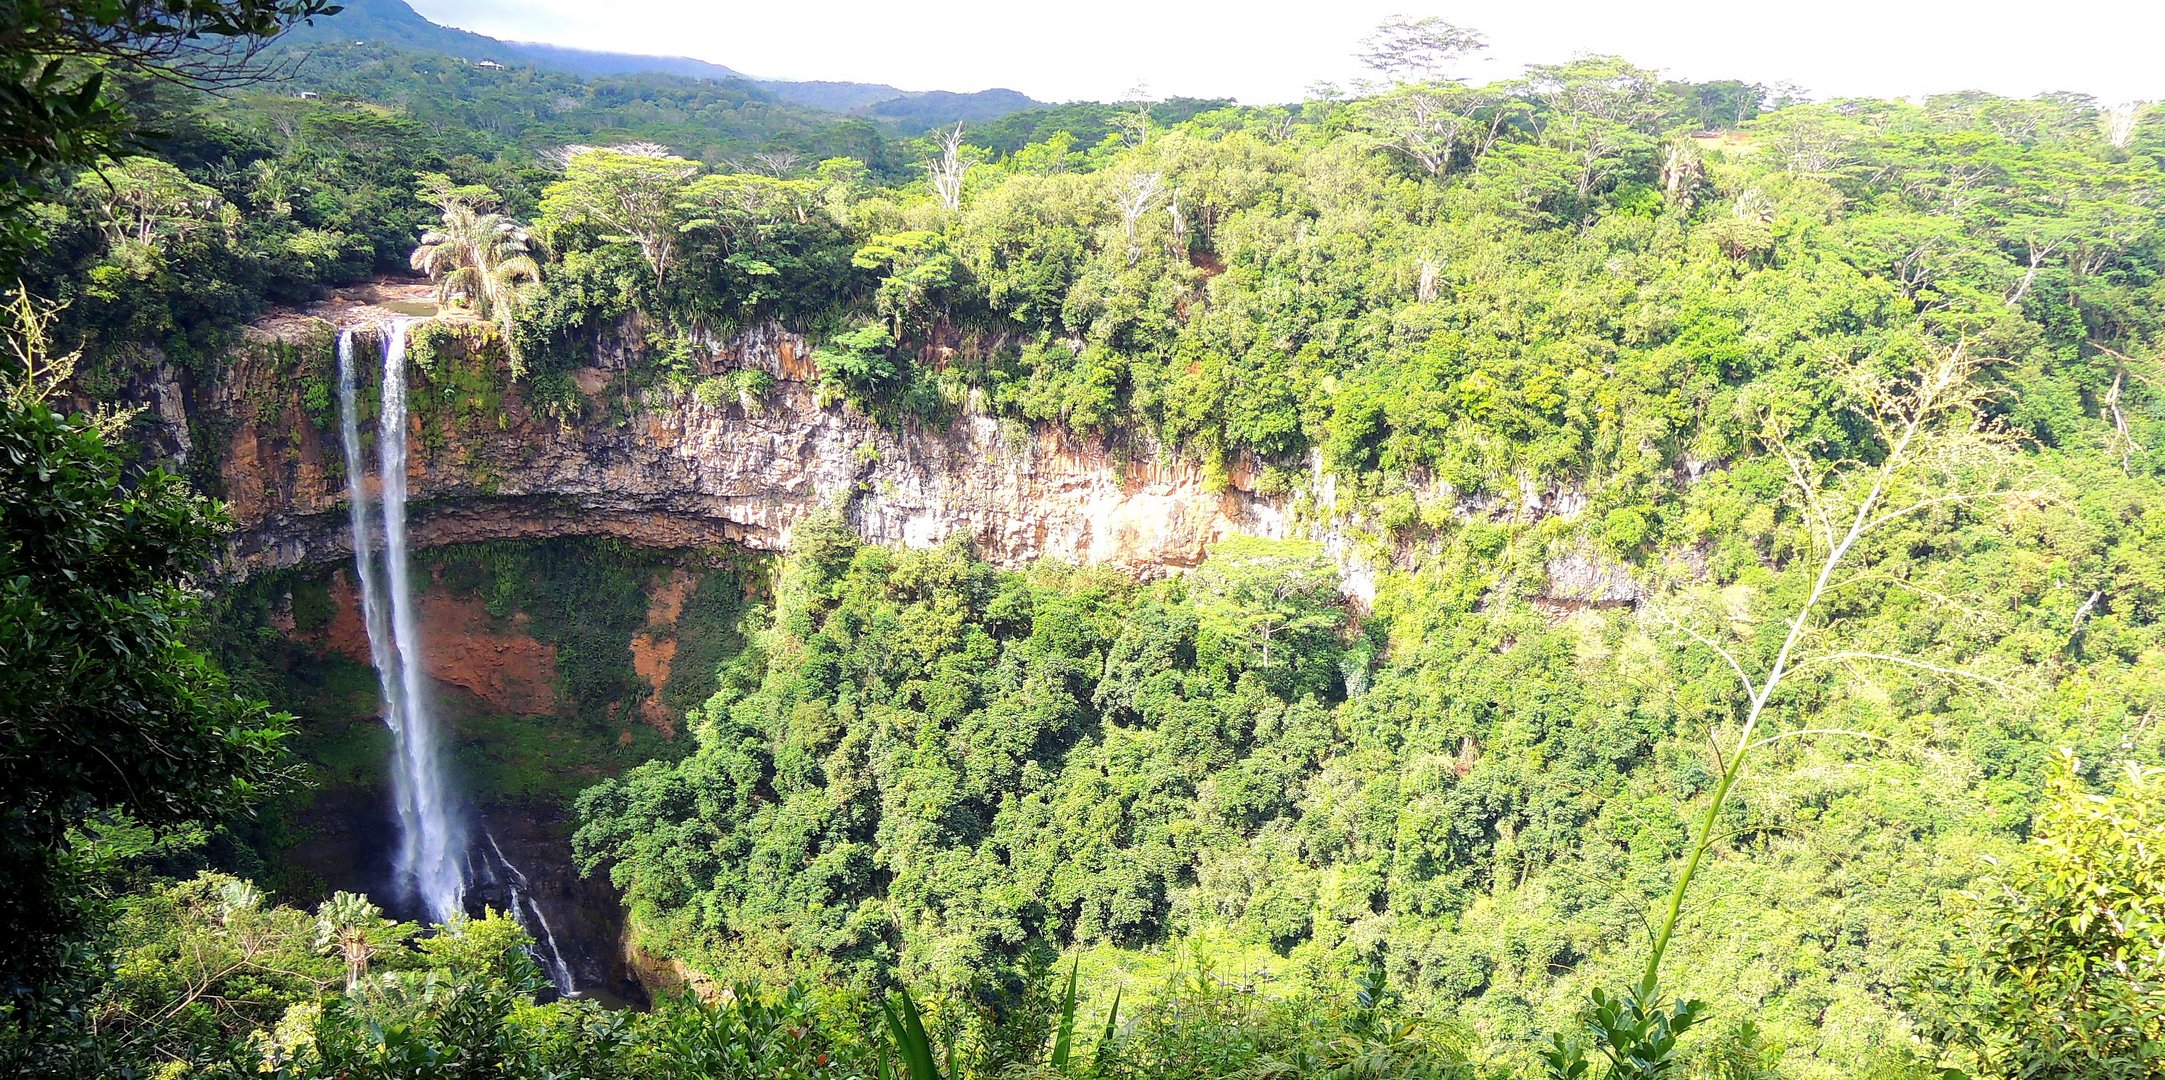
1112	1021
1065	1040
911	1042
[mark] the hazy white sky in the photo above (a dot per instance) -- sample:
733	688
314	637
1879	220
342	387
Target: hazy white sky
1270	50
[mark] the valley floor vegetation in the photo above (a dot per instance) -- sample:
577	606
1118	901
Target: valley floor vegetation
1754	510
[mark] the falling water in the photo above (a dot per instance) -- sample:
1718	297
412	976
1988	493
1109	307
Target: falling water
429	864
431	852
364	562
528	911
433	848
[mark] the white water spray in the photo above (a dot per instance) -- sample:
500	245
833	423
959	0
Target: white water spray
433	846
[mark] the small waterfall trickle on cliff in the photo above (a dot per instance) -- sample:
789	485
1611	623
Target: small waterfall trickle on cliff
434	849
527	910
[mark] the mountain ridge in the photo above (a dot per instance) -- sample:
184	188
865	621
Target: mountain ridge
364	21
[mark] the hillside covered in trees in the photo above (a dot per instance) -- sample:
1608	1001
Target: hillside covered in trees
1716	628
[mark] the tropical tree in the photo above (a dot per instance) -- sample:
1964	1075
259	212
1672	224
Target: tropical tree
478	258
763	241
626	194
108	710
206	955
1435	124
351	928
1273	606
1599	112
147	202
919	272
1404	49
1420	111
2063	979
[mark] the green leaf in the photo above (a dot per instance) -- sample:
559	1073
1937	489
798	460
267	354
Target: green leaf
1065	1038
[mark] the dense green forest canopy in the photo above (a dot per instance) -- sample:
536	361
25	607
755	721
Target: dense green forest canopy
1405	296
1482	339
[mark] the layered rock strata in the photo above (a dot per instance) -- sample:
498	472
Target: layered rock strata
660	467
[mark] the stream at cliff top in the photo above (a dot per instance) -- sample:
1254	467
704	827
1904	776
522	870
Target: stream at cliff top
440	868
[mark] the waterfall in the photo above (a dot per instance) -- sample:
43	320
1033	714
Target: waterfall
528	911
431	853
429	867
380	654
433	847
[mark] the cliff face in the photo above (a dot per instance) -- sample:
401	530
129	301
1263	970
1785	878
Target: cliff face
661	468
502	666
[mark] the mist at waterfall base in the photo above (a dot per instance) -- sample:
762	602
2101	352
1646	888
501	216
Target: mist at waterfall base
443	866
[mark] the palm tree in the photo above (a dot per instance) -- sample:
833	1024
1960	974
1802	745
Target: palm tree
349	925
237	899
481	260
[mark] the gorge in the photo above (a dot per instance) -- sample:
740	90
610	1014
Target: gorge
677	476
1589	574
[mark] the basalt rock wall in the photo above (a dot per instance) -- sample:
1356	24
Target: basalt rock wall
668	467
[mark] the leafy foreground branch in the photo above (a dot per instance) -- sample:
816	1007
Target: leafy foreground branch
2067	972
107	714
1939	452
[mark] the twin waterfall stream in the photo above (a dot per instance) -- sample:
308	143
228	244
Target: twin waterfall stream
440	865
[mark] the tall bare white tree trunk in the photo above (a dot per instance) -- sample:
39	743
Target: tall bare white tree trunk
947	172
2119	122
1135	197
